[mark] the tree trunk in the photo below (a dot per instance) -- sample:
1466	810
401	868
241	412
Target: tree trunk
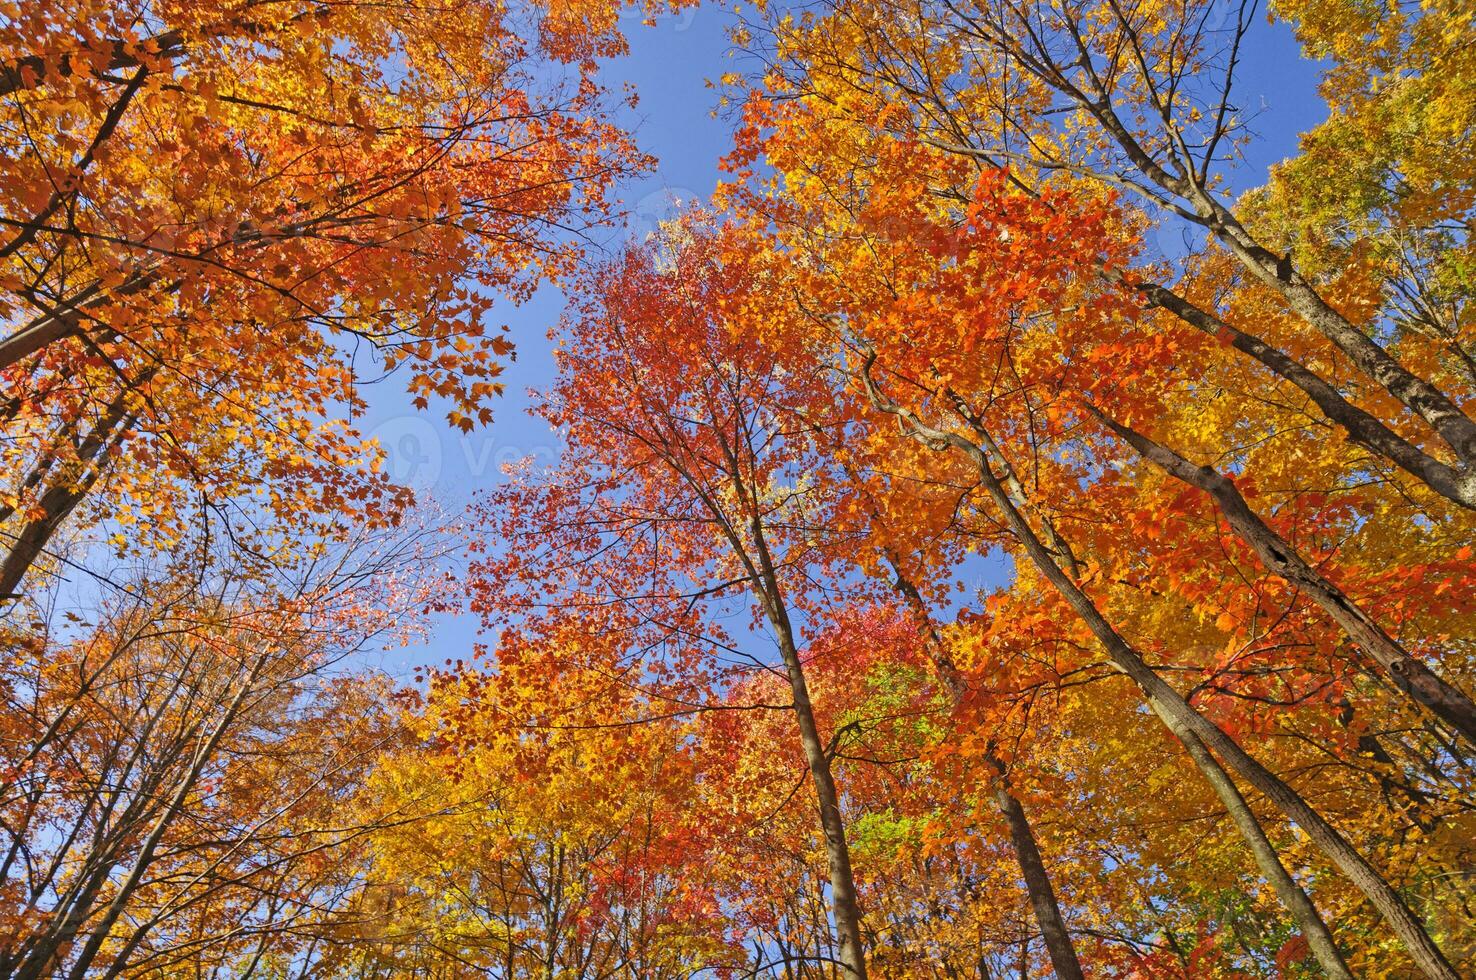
1293	896
844	902
1277	272
1454	484
1038	885
767	589
1022	836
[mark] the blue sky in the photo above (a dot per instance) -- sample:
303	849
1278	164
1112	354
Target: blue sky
669	65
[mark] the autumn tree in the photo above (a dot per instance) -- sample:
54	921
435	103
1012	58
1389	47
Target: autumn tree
176	759
221	218
560	834
689	484
1109	147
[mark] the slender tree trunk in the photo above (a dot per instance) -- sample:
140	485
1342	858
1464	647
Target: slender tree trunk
1293	896
764	582
68	317
1038	884
1277	272
72	482
55	505
844	901
1189	182
1022	836
749	544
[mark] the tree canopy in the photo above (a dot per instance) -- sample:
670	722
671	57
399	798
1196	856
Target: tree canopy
942	573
